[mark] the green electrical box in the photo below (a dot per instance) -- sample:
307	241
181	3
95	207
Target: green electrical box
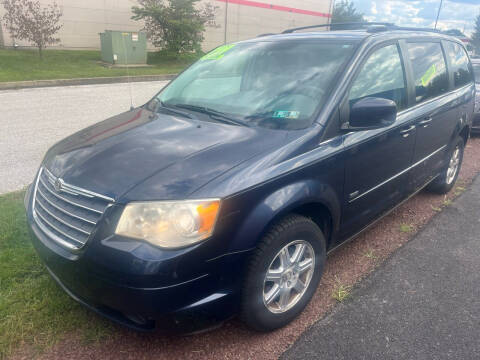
124	47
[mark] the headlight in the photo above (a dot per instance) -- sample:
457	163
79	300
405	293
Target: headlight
169	224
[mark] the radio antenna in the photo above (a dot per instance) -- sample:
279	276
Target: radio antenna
438	14
128	71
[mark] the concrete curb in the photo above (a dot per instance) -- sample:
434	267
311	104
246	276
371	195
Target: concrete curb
82	81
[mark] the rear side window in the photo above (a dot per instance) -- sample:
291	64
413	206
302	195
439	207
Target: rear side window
381	76
429	69
462	73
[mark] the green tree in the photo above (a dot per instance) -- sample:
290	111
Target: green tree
32	21
476	35
175	26
344	12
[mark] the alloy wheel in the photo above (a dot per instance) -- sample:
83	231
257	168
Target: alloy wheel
288	276
453	165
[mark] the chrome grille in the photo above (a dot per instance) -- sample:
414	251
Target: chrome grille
65	213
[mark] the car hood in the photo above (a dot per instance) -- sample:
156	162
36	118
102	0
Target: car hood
175	154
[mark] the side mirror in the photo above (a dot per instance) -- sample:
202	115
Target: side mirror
371	113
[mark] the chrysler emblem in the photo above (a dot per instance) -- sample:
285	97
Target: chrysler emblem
58	185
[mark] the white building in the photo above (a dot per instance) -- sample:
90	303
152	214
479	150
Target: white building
83	20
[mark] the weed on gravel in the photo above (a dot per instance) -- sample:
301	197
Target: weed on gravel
406	228
370	254
341	291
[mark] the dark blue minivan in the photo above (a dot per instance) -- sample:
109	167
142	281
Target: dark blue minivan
224	193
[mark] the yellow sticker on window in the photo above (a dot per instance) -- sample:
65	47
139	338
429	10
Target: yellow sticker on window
429	75
218	53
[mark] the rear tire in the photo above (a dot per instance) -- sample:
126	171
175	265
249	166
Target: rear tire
447	178
283	273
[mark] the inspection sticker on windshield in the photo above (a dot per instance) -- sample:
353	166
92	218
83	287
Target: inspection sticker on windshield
218	53
286	114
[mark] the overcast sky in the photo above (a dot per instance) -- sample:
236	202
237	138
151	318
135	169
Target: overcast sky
422	13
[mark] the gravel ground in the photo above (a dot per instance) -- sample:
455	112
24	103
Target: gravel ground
346	266
422	303
35	119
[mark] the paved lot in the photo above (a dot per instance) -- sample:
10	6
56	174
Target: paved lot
34	119
422	304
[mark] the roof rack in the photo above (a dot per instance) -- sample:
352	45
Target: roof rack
371	27
354	24
406	28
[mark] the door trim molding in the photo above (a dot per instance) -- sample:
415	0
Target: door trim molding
397	175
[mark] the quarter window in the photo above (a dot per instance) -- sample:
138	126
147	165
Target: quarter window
462	73
429	69
381	76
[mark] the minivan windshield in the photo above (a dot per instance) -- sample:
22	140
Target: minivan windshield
278	85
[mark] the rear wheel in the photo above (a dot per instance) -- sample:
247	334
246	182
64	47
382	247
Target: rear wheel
446	180
283	274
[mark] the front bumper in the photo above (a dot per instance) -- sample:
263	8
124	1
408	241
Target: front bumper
145	290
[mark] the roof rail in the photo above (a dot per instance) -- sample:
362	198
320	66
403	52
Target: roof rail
406	28
371	27
357	24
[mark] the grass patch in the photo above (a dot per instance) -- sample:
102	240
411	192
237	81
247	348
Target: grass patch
34	311
23	65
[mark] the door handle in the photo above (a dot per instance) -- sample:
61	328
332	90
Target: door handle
425	122
406	132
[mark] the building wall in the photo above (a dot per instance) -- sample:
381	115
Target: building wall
83	20
247	19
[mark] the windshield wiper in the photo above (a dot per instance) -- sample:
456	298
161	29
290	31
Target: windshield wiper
264	115
214	114
162	105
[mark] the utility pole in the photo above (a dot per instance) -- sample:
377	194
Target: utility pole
226	22
332	6
438	14
2	41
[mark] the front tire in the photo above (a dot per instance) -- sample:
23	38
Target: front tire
446	180
283	273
